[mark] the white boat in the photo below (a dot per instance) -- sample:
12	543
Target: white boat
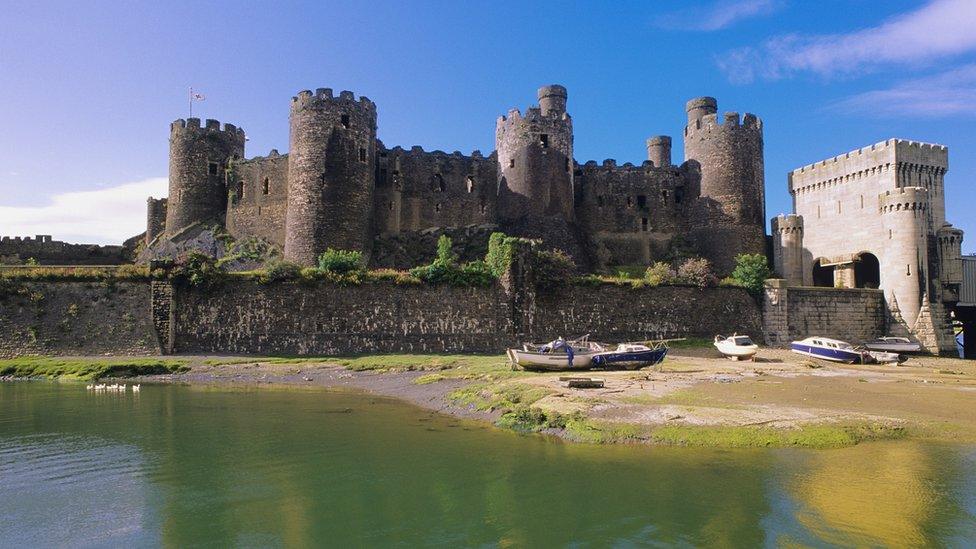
884	357
736	347
828	349
556	355
893	345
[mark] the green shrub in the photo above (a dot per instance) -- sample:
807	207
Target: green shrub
697	272
445	254
659	273
554	269
195	269
132	272
280	271
445	269
341	261
751	270
730	282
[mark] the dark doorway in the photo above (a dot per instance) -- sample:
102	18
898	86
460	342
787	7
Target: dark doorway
823	276
867	271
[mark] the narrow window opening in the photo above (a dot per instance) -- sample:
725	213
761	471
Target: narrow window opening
599	201
544	140
641	201
266	186
908	269
664	196
439	184
678	195
437	207
470	182
484	208
391	206
862	201
838	206
889	234
345	121
630	202
213	168
818	211
644	224
511	163
362	154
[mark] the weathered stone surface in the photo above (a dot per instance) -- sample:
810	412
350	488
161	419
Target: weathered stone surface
76	318
793	313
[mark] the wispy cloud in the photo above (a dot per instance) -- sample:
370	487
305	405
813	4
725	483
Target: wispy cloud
937	30
717	15
950	93
103	216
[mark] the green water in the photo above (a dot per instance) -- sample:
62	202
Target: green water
181	466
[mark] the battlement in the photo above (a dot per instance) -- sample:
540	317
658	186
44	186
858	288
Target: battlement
324	96
889	145
417	150
731	122
789	223
904	199
192	125
38	239
610	165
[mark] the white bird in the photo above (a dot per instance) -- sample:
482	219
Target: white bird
135	388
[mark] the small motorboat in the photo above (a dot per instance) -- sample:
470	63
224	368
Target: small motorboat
736	347
884	357
558	354
828	349
631	356
893	345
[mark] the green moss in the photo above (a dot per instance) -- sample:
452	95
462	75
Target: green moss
88	369
507	397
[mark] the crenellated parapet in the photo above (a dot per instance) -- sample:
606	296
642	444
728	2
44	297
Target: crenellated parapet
788	248
904	199
324	98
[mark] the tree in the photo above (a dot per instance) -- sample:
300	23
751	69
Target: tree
751	270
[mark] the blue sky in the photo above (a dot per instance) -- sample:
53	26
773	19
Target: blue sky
88	89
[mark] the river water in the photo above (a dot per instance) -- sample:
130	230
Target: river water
181	466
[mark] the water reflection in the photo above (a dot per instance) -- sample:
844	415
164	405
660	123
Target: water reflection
266	467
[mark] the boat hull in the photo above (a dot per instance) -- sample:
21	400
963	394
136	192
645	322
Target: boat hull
629	359
834	355
894	347
737	351
531	360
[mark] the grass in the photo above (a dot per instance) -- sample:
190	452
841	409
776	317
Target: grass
446	366
690	343
507	397
88	369
723	436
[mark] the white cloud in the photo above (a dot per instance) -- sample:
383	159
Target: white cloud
103	216
939	29
718	15
950	93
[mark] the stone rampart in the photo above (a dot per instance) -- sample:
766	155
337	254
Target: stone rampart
76	318
792	313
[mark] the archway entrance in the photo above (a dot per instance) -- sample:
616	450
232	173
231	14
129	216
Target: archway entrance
867	271
823	276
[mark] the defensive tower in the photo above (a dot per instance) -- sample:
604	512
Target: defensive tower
535	159
659	150
331	174
198	158
730	158
788	247
155	218
904	217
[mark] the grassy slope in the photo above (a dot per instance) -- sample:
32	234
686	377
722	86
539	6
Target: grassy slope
88	368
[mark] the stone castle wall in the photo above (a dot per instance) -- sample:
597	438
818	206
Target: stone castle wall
259	199
76	318
793	313
16	250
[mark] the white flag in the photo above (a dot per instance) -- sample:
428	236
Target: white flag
196	96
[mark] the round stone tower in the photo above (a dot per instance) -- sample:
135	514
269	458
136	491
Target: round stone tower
729	156
788	247
659	150
535	158
198	158
904	217
331	174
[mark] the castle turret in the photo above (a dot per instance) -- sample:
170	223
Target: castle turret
155	218
904	217
535	157
659	150
788	248
729	156
950	262
331	174
198	158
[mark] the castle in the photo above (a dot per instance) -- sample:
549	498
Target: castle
875	218
340	187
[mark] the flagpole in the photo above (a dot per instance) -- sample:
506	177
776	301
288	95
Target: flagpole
190	97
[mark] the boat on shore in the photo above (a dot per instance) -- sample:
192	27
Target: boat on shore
828	349
736	347
632	356
556	355
893	345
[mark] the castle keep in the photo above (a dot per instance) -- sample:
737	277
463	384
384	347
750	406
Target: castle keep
339	186
875	218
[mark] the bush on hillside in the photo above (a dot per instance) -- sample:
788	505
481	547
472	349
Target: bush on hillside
697	271
751	270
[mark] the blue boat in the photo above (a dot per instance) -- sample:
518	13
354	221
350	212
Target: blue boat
828	349
631	356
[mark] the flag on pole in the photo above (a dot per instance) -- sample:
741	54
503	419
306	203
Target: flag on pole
195	96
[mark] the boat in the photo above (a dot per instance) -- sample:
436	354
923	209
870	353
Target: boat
558	354
736	347
828	349
883	357
632	355
893	345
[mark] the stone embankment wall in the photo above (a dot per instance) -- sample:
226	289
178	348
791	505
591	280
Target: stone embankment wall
792	313
76	318
621	313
